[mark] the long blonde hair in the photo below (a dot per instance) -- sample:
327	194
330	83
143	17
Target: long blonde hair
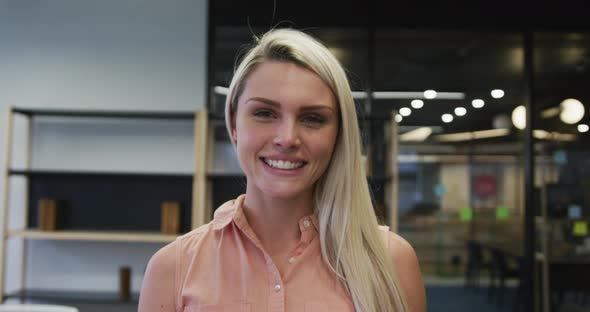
349	236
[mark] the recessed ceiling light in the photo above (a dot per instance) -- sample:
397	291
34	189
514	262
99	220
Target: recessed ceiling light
519	117
460	111
583	128
404	111
430	94
417	104
572	111
477	103
497	93
398	118
447	118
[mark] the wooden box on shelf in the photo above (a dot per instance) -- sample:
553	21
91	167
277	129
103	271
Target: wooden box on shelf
47	216
170	217
125	283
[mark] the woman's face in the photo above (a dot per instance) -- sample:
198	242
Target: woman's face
285	128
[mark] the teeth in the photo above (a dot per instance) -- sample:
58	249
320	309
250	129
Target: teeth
283	164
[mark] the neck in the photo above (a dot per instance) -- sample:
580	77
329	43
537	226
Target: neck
276	220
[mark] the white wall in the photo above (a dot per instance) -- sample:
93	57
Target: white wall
455	177
107	54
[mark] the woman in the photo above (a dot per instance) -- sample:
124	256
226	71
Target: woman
304	237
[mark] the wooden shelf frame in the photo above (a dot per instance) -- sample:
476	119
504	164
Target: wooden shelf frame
61	296
96	236
200	210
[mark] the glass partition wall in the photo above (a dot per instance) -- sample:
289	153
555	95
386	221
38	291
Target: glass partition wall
562	154
460	172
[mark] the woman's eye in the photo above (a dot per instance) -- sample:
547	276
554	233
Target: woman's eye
313	119
262	113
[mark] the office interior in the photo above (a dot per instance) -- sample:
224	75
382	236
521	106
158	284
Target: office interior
475	137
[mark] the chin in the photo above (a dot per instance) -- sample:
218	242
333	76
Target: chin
283	191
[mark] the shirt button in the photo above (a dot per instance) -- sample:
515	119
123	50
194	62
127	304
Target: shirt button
277	287
306	223
292	260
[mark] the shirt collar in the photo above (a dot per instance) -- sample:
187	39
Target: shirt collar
233	211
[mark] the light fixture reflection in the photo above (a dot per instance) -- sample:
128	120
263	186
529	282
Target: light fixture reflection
477	103
447	118
398	118
430	94
553	136
404	111
519	117
497	93
416	135
475	135
583	128
572	111
417	104
460	111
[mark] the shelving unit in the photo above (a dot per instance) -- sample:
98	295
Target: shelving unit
90	211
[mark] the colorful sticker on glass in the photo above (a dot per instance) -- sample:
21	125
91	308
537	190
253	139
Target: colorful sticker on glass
580	228
560	157
465	214
574	212
502	212
440	190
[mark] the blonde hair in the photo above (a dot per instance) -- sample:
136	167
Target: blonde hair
350	241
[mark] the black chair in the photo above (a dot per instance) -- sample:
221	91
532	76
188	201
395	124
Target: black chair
475	264
501	271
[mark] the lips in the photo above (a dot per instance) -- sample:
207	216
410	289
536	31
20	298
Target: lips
283	164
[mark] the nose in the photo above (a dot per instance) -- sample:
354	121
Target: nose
287	135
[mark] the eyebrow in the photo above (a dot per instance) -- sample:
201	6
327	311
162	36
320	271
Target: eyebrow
278	105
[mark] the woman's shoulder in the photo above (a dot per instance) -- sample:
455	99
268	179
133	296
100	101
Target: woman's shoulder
167	255
394	242
407	268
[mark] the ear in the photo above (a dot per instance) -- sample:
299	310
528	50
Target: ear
234	135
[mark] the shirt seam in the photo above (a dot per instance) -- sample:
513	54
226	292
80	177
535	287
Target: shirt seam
178	281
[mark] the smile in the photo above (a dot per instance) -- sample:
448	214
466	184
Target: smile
283	164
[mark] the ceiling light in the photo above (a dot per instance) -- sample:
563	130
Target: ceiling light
466	136
541	134
553	136
551	112
387	95
519	117
398	118
460	111
359	95
221	90
583	128
416	135
430	94
404	111
477	103
417	104
492	133
447	118
497	93
572	111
